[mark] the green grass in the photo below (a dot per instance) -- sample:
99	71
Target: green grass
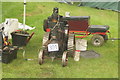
104	67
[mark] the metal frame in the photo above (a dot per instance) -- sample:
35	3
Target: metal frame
86	33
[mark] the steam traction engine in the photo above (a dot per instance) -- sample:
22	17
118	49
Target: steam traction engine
57	42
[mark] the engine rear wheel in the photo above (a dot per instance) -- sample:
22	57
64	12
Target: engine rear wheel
71	44
97	40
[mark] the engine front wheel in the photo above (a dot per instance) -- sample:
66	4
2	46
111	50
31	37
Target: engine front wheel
64	59
41	57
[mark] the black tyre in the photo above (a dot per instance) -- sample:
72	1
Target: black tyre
105	37
97	40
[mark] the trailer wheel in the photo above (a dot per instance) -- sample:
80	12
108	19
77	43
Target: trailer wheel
105	37
97	40
71	44
64	59
41	57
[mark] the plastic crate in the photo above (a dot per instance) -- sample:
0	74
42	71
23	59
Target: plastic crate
6	57
19	38
9	55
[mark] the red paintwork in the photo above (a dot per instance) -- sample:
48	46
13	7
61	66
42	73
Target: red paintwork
77	50
79	31
102	33
47	30
88	33
85	32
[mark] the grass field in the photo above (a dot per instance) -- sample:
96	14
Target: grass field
106	66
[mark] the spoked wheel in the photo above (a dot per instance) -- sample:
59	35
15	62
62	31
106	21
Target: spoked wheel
41	57
71	44
97	40
64	59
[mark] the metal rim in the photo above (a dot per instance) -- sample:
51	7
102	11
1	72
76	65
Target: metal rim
71	44
64	59
41	57
97	42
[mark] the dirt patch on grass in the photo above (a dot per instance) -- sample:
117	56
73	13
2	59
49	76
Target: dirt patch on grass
39	10
41	6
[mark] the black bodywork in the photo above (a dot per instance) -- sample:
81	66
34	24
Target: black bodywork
98	28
